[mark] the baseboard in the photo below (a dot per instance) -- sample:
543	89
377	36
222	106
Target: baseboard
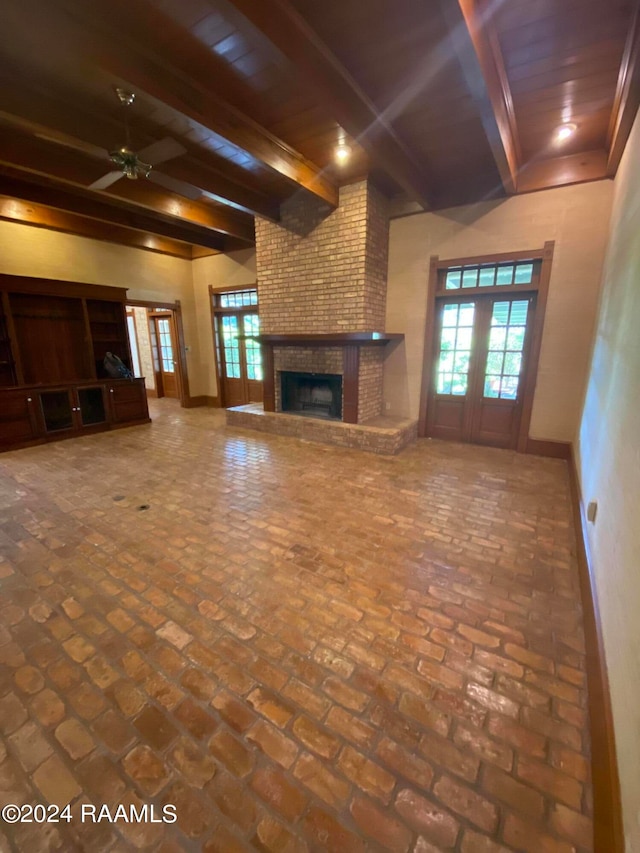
202	400
553	449
607	808
151	392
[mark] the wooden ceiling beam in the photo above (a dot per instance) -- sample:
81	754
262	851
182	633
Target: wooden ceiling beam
41	157
627	98
39	216
285	28
162	78
41	189
476	45
79	126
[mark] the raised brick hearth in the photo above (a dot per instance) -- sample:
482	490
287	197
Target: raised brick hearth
386	436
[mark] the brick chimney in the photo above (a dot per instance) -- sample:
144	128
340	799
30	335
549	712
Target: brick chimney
322	271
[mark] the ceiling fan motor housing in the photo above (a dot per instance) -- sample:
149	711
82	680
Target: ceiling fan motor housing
127	160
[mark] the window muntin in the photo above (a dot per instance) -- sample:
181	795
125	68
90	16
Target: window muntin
238	298
231	346
489	275
506	343
252	348
166	347
456	336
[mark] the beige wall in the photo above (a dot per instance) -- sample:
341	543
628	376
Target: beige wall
25	250
577	219
609	467
219	271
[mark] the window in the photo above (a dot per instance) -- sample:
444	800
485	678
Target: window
488	275
238	299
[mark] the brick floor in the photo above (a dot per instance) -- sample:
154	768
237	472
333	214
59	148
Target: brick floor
300	647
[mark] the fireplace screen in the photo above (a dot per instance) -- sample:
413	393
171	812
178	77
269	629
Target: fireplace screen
316	395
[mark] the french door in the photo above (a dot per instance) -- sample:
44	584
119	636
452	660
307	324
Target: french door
164	338
240	357
480	367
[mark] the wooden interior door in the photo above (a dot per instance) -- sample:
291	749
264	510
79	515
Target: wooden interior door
240	358
167	354
480	369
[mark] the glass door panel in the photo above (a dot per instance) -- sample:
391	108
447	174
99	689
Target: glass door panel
92	408
506	344
166	346
56	410
456	337
231	346
253	350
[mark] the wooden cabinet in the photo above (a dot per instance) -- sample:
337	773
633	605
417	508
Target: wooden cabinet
128	401
41	414
54	336
19	424
77	408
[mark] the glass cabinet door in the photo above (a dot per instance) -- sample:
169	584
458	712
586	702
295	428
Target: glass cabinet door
91	406
57	410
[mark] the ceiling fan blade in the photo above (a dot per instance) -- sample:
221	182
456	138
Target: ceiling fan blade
52	135
179	187
106	181
159	152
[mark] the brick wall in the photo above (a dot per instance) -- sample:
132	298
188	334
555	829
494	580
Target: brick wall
321	271
326	271
370	383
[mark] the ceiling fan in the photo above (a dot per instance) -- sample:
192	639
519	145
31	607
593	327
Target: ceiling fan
134	164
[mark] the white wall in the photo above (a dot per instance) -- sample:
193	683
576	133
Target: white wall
219	271
577	219
609	468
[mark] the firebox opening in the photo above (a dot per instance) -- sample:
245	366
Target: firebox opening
314	395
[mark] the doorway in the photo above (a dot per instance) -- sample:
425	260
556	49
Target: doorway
238	355
156	334
165	353
483	347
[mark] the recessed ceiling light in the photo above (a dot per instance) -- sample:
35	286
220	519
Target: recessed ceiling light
565	131
342	153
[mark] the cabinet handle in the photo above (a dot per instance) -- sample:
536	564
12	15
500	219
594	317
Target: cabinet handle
29	400
111	390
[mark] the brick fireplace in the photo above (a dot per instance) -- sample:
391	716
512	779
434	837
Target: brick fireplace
322	277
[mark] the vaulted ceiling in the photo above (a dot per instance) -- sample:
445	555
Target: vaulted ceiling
441	102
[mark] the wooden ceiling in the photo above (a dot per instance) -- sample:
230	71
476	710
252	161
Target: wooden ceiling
443	102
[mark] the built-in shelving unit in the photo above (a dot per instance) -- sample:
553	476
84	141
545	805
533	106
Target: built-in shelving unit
7	363
54	336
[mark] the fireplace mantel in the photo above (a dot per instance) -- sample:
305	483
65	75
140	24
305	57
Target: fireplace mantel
330	339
